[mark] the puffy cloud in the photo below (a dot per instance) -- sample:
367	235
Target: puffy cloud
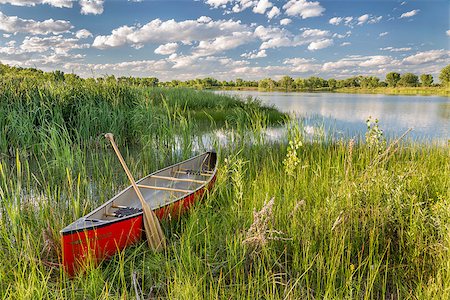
286	21
351	21
448	32
302	65
13	24
222	43
167	49
315	33
335	20
383	34
83	34
368	19
217	3
436	56
58	44
363	19
262	6
255	54
274	37
304	9
392	49
410	14
160	32
275	11
94	7
354	62
54	3
321	44
345	44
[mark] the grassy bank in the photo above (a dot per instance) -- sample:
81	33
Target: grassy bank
349	219
32	110
424	91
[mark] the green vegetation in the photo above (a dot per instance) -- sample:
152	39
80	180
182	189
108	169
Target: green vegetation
349	220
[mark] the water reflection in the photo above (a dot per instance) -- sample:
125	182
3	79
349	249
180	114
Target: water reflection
346	114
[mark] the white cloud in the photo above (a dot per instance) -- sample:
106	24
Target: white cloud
335	21
353	62
345	44
403	3
167	49
13	24
448	32
287	21
383	34
301	65
369	19
274	37
159	32
94	7
242	5
262	6
435	56
351	21
325	43
54	3
222	43
57	44
304	9
275	11
392	49
255	54
363	19
83	34
410	14
315	33
217	3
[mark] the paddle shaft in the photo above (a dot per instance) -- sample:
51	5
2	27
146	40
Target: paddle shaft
154	233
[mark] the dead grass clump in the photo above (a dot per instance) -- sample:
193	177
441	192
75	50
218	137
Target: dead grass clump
258	235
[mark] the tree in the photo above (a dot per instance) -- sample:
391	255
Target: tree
332	83
286	82
299	83
408	79
426	79
369	82
392	79
444	77
267	83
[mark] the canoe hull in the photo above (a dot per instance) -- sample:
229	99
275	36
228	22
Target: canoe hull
89	247
90	239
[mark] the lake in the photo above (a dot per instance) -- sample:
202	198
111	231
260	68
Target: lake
346	114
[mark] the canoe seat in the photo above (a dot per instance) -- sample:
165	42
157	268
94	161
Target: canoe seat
125	211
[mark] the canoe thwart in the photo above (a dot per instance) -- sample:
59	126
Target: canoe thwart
161	188
178	179
190	172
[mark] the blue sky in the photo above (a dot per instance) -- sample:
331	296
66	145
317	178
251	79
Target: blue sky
226	39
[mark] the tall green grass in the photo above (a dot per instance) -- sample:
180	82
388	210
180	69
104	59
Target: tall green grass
346	223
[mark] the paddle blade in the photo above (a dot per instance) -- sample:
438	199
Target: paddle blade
155	237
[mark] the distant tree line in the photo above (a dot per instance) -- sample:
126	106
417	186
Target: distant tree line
392	79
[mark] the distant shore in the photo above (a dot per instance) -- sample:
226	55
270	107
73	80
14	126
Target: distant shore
423	91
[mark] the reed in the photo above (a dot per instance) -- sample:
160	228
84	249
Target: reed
340	225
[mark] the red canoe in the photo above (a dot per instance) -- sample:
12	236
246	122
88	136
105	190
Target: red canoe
118	223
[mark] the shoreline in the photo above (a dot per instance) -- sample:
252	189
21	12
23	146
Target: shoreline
407	91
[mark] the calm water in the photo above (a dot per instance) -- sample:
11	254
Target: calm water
429	116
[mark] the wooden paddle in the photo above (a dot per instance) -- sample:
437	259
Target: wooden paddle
155	237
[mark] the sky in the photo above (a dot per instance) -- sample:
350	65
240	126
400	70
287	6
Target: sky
226	39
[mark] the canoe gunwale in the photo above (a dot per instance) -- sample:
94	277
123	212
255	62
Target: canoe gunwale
103	223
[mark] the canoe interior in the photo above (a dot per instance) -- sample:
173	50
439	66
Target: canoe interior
167	186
